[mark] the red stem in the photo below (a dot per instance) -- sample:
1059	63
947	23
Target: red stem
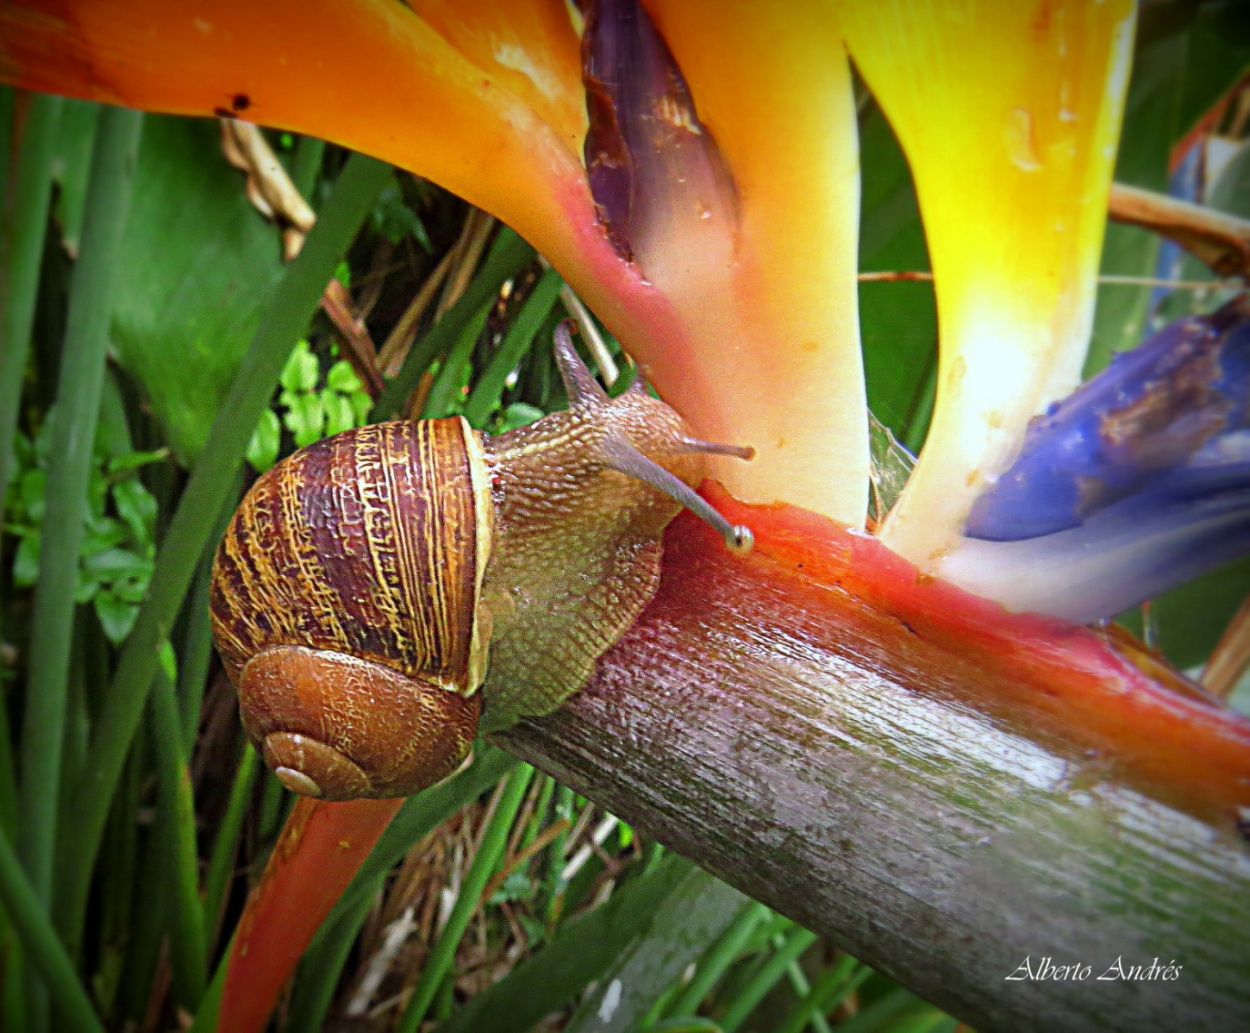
320	848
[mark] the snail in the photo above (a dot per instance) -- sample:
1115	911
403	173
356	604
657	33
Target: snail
374	587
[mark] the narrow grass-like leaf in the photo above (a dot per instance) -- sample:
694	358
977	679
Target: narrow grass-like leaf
765	979
71	435
206	1017
197	640
23	224
451	375
582	949
308	155
294	301
834	983
508	255
177	815
553	882
43	948
490	849
319	972
718	958
699	911
517	341
226	843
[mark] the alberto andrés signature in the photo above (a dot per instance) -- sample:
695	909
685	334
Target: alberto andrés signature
1076	972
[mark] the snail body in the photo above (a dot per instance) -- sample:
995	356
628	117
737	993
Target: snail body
372	583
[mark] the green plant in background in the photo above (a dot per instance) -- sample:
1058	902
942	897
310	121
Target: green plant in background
313	407
119	545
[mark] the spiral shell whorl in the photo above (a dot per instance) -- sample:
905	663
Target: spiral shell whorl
369	546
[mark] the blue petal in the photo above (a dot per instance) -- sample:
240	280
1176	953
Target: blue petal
1150	413
1187	521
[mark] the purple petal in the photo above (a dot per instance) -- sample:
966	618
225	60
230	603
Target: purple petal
1148	413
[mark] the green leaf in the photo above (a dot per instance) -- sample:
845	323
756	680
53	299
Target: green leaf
117	616
97	492
1180	70
118	563
129	461
898	319
86	589
362	405
302	370
262	450
31	488
200	266
169	660
516	885
519	414
26	560
102	533
339	414
305	417
137	507
342	378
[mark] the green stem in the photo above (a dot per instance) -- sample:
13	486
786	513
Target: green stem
508	256
177	813
518	340
718	959
488	853
197	643
308	154
71	437
43	949
834	983
226	845
765	979
295	299
23	225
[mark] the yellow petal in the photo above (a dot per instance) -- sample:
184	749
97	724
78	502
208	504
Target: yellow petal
768	352
1009	114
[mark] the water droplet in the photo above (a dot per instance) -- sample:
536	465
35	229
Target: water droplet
1018	136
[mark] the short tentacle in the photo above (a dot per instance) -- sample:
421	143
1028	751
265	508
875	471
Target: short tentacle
579	383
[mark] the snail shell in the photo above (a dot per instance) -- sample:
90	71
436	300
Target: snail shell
345	606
